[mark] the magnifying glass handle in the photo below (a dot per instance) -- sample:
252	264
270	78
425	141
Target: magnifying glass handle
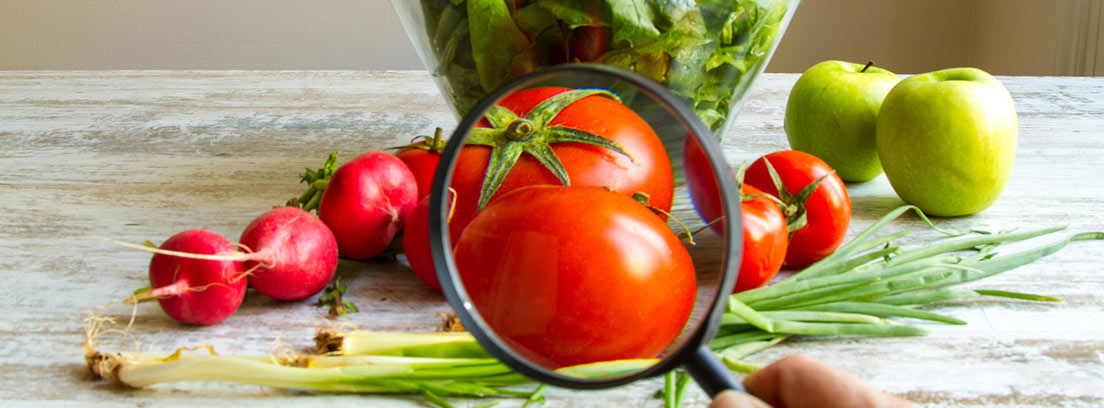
710	373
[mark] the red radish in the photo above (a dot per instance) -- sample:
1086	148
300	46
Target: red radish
197	291
294	256
367	202
200	277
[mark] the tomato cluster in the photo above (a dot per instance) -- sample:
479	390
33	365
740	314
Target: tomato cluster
526	243
815	199
551	244
794	217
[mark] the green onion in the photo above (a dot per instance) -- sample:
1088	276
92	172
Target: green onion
443	377
872	279
860	290
739	365
863	242
669	389
882	310
731	340
536	397
857	289
745	349
674	388
359	342
433	365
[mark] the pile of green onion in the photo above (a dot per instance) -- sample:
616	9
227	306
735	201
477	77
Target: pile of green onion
854	292
870	279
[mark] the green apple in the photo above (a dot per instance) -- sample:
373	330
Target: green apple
947	140
831	114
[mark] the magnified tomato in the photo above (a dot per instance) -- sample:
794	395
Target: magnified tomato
573	275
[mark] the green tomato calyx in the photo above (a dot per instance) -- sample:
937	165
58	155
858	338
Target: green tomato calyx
748	197
793	205
510	135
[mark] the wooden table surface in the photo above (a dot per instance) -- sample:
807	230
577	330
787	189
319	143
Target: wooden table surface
142	155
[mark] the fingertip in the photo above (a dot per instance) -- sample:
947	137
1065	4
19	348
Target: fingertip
736	399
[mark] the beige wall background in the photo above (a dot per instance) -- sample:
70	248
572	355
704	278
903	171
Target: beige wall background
1005	37
1009	37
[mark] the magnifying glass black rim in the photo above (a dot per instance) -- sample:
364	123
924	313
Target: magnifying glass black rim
441	247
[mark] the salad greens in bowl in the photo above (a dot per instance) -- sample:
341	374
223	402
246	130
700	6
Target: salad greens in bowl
705	51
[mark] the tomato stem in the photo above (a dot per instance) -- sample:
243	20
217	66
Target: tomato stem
642	198
520	130
433	143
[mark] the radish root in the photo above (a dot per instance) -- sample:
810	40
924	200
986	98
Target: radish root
169	291
246	255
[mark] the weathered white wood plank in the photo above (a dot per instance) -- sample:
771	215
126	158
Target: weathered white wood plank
142	155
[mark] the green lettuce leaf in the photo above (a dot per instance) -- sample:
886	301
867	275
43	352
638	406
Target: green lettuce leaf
495	41
576	13
632	21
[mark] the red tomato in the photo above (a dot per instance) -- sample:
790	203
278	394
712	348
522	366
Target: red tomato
573	275
416	244
422	158
649	170
828	208
765	235
765	240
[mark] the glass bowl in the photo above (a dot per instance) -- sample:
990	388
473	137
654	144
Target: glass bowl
706	52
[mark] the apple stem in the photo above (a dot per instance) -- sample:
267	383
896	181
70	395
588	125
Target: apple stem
868	65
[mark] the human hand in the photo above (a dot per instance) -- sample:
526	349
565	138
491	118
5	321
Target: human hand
800	381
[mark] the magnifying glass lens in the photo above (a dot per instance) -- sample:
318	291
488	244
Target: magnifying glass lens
582	243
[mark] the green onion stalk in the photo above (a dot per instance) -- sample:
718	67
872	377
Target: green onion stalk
356	343
434	365
424	365
858	289
868	284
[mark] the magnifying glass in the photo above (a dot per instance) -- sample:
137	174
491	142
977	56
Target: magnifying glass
586	230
